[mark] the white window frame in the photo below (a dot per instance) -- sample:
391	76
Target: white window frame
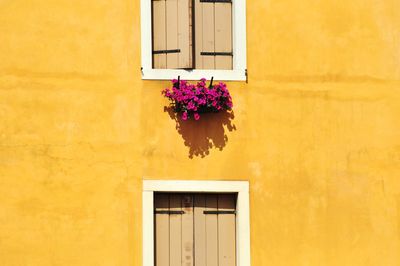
242	212
239	71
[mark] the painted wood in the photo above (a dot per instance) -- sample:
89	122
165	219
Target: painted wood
184	34
239	50
223	34
159	33
226	231
212	231
208	35
200	229
148	218
187	230
198	32
175	231
161	203
172	33
195	186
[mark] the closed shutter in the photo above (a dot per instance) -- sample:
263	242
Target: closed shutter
213	34
172	34
174	229
161	204
226	225
195	229
215	227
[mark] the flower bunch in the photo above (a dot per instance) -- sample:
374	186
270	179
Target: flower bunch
191	100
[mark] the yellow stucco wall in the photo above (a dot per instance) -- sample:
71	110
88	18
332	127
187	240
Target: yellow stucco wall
317	133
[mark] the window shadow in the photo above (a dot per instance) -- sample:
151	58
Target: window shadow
204	134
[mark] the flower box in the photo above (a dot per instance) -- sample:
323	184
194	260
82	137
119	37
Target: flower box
191	100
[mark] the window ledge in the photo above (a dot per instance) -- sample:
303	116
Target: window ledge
196	74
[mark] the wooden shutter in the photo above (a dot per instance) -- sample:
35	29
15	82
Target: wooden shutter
172	34
215	229
213	34
174	229
226	231
161	204
195	229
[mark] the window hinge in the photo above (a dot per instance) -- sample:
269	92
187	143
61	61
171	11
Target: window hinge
247	75
217	53
167	51
219	212
169	212
215	1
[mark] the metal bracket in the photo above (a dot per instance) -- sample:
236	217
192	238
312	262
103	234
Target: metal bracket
169	212
219	212
217	53
167	51
215	1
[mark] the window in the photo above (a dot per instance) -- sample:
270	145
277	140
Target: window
193	39
195	229
198	223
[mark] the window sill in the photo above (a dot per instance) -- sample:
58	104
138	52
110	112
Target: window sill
196	74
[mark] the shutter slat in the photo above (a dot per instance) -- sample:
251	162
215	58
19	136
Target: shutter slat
184	34
198	29
187	230
212	231
200	230
159	34
161	203
175	231
226	231
208	41
223	35
172	33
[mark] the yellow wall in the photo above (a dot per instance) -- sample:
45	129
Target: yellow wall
317	133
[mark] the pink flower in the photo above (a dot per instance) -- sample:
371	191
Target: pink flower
189	99
184	116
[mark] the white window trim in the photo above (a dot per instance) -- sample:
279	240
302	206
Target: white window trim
239	71
242	216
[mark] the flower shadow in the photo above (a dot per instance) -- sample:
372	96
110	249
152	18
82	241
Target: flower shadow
204	134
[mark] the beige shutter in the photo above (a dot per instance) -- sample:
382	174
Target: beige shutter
215	233
159	34
174	229
172	34
161	204
226	231
187	231
195	229
200	230
213	34
212	231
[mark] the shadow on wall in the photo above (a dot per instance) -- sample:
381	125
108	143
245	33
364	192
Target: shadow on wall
206	133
